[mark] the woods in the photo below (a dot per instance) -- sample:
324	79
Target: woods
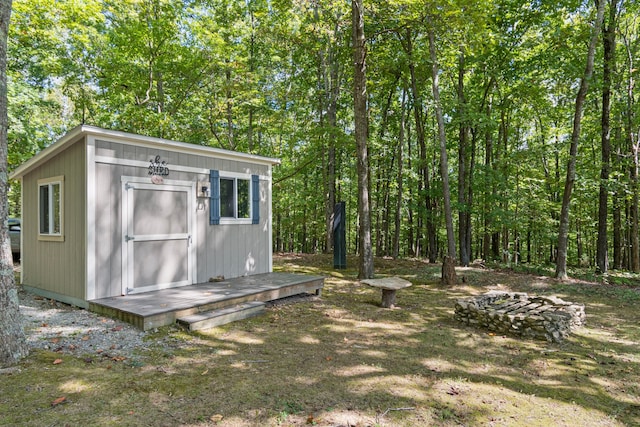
469	113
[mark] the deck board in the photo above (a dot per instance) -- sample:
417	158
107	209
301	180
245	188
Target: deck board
159	308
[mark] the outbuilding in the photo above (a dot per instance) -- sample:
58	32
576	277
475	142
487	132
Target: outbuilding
107	213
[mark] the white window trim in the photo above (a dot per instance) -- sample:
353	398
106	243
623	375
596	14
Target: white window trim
227	220
53	237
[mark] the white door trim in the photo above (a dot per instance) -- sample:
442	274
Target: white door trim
129	182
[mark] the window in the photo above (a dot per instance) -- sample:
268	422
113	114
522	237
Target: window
234	198
50	212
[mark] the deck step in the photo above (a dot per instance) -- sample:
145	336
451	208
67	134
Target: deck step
213	318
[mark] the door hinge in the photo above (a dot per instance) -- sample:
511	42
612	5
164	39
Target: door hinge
128	238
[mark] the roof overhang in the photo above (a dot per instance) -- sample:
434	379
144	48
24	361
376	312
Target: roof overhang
83	131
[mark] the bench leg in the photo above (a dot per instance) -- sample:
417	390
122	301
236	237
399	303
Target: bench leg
388	298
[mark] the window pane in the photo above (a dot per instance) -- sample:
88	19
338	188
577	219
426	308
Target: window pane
44	209
227	199
55	189
244	209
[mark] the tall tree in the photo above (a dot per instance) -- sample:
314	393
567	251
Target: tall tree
442	138
563	233
609	40
13	344
365	267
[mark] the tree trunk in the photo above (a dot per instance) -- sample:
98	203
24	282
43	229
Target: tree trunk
230	138
332	89
444	164
365	270
609	39
399	180
488	198
633	241
13	344
464	214
424	169
449	277
617	231
634	264
563	232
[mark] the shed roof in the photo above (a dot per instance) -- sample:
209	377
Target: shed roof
75	134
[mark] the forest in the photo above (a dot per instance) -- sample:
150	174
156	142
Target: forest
536	112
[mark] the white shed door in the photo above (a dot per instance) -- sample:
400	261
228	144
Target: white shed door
158	247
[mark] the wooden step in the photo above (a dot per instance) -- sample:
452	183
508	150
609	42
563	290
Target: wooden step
213	318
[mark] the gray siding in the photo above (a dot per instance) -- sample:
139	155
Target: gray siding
108	231
58	268
234	250
222	250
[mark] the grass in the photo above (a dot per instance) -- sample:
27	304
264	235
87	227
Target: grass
342	360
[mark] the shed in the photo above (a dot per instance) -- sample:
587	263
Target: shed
108	213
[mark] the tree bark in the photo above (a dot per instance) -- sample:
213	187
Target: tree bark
633	241
448	276
331	81
399	180
424	169
609	39
365	270
13	344
230	138
464	213
444	164
563	232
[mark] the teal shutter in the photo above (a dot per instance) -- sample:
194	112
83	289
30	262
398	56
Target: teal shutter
255	199
214	202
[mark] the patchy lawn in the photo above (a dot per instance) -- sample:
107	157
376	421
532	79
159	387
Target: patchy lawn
342	360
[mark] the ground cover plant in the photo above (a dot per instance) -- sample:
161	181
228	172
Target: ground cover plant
342	360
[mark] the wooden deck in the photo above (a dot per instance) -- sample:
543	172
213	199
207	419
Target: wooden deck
159	308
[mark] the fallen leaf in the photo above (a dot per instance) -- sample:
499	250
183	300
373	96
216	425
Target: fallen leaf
205	372
85	338
117	328
328	358
216	418
59	401
54	340
57	361
453	391
44	325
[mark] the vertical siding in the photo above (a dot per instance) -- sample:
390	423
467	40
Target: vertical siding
108	231
57	267
222	250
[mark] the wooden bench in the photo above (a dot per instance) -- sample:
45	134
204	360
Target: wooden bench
389	286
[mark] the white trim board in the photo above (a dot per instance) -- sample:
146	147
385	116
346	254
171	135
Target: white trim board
178	168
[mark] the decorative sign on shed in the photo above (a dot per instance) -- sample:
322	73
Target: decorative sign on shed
158	169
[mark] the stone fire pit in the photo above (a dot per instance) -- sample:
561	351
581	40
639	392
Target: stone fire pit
517	313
